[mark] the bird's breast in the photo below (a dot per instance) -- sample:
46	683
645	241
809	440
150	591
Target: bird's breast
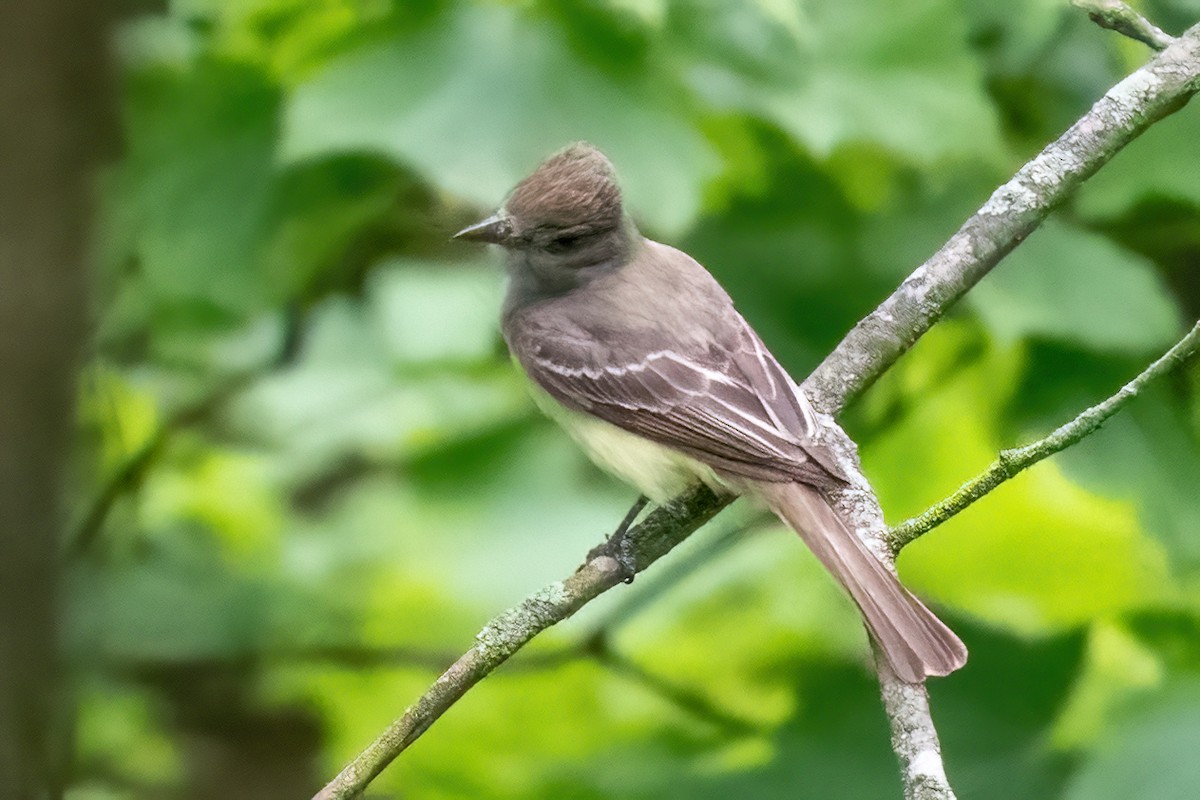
658	472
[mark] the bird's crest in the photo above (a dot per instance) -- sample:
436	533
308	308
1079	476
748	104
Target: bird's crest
575	186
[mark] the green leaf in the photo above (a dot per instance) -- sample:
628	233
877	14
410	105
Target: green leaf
475	126
1014	35
367	386
993	717
169	609
121	727
785	253
1069	285
898	76
1149	753
321	212
1117	666
1160	163
1039	553
409	303
1146	453
191	197
834	746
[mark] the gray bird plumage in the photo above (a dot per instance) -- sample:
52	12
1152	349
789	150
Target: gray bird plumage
642	356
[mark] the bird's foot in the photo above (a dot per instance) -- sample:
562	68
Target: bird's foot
618	547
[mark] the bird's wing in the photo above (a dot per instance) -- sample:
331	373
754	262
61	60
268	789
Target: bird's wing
730	405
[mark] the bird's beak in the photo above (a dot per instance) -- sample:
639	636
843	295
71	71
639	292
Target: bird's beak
493	230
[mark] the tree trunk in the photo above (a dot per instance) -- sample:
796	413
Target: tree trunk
53	110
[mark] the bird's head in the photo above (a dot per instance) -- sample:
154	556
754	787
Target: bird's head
566	215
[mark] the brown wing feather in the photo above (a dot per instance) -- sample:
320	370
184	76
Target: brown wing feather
731	406
915	642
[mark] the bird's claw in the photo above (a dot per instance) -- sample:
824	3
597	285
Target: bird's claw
620	549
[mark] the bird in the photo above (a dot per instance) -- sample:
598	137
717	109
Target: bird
638	352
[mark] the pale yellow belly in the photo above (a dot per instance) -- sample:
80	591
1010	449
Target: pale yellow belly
656	471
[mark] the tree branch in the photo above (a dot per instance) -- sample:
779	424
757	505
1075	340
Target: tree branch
1014	210
1015	460
1120	17
914	738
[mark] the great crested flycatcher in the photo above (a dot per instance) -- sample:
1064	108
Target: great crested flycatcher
639	353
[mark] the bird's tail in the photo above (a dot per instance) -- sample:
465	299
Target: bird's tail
915	642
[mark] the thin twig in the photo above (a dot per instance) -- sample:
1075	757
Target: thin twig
1122	18
1013	461
1014	210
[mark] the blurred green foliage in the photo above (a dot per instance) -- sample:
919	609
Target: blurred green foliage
307	472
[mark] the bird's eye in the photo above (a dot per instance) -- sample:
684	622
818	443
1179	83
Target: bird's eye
562	243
